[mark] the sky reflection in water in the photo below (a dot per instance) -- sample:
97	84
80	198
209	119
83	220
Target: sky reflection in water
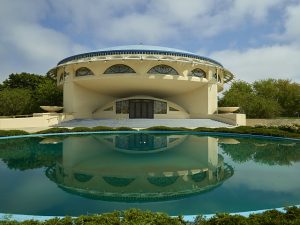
174	173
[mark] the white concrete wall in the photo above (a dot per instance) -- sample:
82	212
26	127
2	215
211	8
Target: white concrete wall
235	119
38	120
82	95
81	101
199	103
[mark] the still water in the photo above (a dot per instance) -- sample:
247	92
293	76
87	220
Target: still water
178	174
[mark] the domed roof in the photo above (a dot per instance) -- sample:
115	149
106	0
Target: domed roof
138	49
144	48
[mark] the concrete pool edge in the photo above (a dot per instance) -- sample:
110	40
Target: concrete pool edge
187	218
225	134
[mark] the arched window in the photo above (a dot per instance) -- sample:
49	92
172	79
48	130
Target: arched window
198	73
162	181
119	68
118	181
163	69
82	177
198	177
83	71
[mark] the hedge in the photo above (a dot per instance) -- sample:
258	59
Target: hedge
4	133
281	131
291	216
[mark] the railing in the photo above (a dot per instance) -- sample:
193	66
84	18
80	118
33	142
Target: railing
133	51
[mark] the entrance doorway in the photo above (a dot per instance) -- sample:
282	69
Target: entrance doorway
141	108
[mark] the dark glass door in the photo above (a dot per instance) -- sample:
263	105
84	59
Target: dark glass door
141	108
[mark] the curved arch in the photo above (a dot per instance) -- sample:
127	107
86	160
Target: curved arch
198	177
119	68
162	181
198	73
83	71
82	177
118	181
163	69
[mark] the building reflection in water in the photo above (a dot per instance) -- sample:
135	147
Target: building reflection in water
139	167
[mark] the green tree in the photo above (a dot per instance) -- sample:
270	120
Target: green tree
15	102
261	107
23	81
43	90
237	94
255	105
27	153
289	97
267	88
284	92
47	93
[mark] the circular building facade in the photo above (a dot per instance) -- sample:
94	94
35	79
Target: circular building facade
140	81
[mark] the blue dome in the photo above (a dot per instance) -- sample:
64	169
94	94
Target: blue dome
144	48
138	49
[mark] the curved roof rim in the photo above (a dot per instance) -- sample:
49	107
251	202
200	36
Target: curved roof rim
138	49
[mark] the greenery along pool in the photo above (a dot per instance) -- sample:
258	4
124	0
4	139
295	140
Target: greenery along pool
173	173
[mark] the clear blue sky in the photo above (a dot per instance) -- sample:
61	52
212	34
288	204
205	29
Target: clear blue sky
255	39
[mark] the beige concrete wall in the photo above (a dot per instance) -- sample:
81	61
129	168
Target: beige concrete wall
89	156
141	67
84	150
212	98
38	120
81	101
199	103
197	96
235	119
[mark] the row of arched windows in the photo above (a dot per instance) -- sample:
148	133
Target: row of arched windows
159	69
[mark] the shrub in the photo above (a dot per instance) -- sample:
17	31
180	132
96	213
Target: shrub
164	128
261	130
102	128
289	128
137	217
124	129
54	130
4	133
15	102
80	129
284	131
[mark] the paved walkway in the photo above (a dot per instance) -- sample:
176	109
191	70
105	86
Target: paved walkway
143	123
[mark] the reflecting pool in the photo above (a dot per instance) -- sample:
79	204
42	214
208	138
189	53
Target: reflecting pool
173	173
